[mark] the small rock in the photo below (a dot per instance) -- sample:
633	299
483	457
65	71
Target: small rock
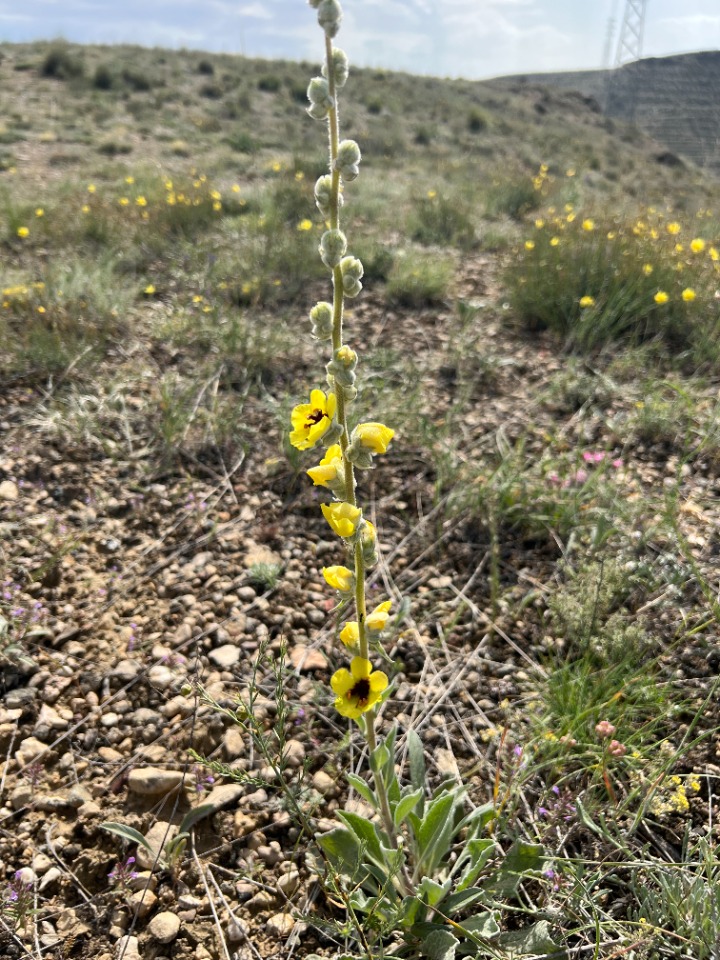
233	743
294	753
304	658
157	836
153	781
21	796
222	796
262	900
280	925
161	676
9	490
225	657
324	784
127	948
50	879
125	671
244	824
237	932
288	883
164	927
142	903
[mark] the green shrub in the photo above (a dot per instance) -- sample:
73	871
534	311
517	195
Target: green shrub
512	198
61	63
437	220
417	279
269	83
103	77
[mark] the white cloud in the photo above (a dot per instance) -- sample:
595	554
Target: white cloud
256	10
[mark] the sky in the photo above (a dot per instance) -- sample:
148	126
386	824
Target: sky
474	39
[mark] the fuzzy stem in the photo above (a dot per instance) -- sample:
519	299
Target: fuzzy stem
337	342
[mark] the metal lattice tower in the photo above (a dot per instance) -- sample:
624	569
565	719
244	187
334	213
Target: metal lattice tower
631	33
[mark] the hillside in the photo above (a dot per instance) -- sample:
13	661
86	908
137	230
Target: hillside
538	333
672	99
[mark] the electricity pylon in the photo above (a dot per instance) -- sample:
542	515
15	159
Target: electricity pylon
631	33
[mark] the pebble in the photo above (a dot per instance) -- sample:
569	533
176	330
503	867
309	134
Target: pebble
324	784
288	883
225	657
9	490
223	796
233	744
280	925
304	658
142	903
294	753
127	948
237	932
157	836
153	781
164	927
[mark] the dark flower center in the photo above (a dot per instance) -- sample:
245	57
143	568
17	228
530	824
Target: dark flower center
315	417
361	691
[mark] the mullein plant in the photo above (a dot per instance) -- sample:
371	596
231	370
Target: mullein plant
424	863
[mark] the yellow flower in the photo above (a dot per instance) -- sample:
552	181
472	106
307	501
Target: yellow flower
673	228
39	212
661	297
236	188
688	294
647	269
350	634
378	618
568	208
529	244
149	290
130	180
611	235
587	301
123	201
329	469
588	225
217	206
141	201
339	578
570	172
554	241
311	420
432	194
570	217
357	689
342	517
91	188
374	436
539	224
23	232
85	208
305	225
679	248
697	245
299	175
714	255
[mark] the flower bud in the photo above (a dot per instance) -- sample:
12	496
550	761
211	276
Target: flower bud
339	578
359	456
318	93
329	16
375	437
323	194
332	248
368	542
352	271
348	160
342	366
321	317
340	67
333	433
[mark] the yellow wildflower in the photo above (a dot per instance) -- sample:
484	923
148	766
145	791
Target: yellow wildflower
329	469
23	232
342	517
39	212
357	689
554	241
149	290
661	297
588	225
673	228
714	255
305	225
378	618
373	436
647	269
311	420
587	301
697	245
529	244
688	294
141	201
339	578
130	180
350	634
91	188
432	194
